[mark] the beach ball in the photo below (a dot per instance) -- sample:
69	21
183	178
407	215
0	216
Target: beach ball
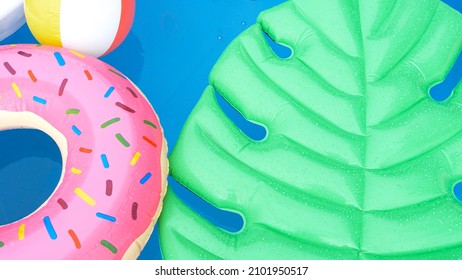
94	27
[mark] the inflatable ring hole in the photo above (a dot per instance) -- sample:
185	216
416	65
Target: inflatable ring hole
226	220
457	191
444	90
30	169
249	128
280	50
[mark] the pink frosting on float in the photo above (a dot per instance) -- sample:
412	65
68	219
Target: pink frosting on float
112	182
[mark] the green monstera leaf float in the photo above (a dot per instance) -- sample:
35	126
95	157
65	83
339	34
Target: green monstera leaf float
359	162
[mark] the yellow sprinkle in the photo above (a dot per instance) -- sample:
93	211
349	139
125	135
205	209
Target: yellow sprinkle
135	159
77	54
21	229
16	90
84	196
76	171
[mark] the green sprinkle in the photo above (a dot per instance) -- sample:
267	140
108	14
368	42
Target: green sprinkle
122	140
114	72
2	244
109	122
72	112
109	246
150	124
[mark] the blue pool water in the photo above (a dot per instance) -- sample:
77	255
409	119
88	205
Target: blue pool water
168	54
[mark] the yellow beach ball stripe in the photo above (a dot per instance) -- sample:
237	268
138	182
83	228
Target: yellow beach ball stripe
94	27
46	29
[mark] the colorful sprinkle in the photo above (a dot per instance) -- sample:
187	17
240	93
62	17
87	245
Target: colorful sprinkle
134	211
105	161
109	92
60	59
118	74
62	87
109	187
39	100
109	122
49	227
62	203
132	92
9	68
150	124
32	76
24	54
75	239
106	217
122	140
125	107
145	178
109	246
2	244
76	130
88	75
149	141
85	197
76	171
72	112
16	90
135	159
79	55
85	150
21	231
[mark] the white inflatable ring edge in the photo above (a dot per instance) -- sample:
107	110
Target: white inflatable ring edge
11	19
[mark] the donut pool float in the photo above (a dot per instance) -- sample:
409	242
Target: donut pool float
88	26
113	152
11	17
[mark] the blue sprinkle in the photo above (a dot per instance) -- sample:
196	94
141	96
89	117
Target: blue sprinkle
39	100
105	217
458	191
109	92
145	178
105	162
76	130
60	59
49	227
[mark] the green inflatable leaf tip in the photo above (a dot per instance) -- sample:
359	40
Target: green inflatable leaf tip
359	162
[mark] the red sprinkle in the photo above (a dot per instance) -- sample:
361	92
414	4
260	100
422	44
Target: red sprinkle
149	141
85	150
24	54
134	210
62	87
32	76
125	107
132	92
75	239
109	187
88	74
62	203
9	68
